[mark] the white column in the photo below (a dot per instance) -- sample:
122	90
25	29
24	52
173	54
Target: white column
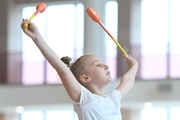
14	48
129	22
135	22
94	35
129	30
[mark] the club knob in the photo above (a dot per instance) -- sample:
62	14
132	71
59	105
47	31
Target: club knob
93	15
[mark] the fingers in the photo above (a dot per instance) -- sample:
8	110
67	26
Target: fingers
127	56
24	21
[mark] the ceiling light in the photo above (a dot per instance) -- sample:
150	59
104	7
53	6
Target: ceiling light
19	109
148	105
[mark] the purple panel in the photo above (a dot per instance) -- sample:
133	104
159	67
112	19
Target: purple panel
51	75
111	62
154	67
32	73
175	66
14	68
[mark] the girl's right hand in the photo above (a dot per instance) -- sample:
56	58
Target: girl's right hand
130	61
31	30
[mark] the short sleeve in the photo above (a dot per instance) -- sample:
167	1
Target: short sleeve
85	97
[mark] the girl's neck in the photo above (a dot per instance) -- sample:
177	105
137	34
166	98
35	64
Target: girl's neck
97	91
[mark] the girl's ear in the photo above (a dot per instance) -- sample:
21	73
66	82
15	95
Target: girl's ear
85	79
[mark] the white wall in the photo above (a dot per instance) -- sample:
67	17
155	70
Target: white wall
161	93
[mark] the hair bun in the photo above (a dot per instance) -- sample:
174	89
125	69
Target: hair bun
66	60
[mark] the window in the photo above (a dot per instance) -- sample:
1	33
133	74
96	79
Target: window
174	37
59	29
63	31
162	113
60	115
49	115
174	113
159	39
33	115
154	38
111	24
154	114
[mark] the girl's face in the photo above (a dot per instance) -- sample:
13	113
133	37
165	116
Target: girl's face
97	71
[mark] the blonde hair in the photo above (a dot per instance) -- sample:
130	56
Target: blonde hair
78	68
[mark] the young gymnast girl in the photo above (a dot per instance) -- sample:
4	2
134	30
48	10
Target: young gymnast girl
86	79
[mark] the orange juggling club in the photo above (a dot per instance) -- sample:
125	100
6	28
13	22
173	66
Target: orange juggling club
95	17
41	7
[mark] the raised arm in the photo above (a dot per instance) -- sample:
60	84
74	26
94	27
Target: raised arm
71	85
128	78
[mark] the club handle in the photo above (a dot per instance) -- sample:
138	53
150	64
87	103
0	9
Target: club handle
119	46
